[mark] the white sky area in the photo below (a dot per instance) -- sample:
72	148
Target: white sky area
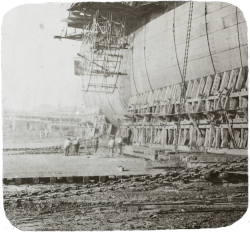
36	64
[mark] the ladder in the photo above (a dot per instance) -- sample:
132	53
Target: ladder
189	26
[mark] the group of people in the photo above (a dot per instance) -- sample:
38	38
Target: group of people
115	143
68	142
76	143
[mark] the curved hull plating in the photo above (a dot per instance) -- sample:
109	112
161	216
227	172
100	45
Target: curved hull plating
155	59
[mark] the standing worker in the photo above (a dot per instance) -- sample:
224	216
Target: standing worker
111	145
77	145
119	144
66	146
96	144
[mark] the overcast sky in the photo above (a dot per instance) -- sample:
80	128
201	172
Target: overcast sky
32	61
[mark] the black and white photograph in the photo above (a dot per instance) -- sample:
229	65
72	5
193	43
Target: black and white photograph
124	116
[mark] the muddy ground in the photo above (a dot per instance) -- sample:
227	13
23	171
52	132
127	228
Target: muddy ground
148	207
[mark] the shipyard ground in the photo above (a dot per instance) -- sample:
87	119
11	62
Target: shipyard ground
148	207
140	206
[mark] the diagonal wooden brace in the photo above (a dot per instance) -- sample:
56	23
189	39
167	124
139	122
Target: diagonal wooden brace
245	111
230	130
195	124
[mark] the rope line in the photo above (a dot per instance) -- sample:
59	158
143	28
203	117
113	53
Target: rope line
238	35
145	59
132	61
208	38
176	48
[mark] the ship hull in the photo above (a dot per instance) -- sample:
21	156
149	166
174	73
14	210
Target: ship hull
156	55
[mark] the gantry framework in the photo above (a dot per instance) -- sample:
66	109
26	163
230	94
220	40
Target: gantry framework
102	29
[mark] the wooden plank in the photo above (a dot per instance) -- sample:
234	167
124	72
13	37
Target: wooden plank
196	105
208	86
210	105
143	132
217	139
206	143
240	80
243	102
163	92
241	138
217	104
158	97
186	137
178	92
233	103
164	137
224	81
189	89
211	138
193	137
181	137
170	136
201	87
216	84
177	108
246	83
151	101
157	109
232	80
175	137
201	106
201	138
189	107
151	135
164	109
161	109
168	92
245	139
148	132
159	136
236	134
245	111
195	88
173	92
226	103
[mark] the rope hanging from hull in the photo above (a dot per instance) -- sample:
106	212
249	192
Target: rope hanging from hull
238	35
175	47
208	38
132	65
145	60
